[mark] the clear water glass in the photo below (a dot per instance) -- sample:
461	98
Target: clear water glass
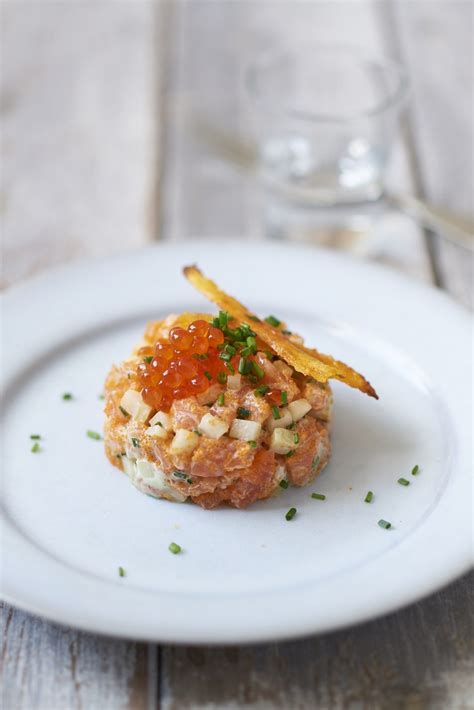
325	122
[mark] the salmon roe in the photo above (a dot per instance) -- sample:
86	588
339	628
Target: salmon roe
184	365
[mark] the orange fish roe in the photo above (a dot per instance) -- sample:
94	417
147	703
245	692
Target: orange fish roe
187	364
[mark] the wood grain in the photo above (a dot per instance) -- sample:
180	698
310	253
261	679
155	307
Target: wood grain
422	657
55	668
78	131
436	42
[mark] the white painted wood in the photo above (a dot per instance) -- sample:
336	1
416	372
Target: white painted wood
437	46
48	667
79	135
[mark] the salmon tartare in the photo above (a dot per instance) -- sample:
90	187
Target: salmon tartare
225	409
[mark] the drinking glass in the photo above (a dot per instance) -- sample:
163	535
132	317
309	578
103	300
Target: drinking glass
325	120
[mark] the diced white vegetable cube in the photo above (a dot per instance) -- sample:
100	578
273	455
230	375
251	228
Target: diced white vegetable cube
149	475
245	430
164	419
213	427
129	467
134	405
283	441
184	442
285	420
234	382
299	408
157	432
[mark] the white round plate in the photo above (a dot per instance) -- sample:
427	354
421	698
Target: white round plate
70	519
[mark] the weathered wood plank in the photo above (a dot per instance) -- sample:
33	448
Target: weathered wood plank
79	138
80	98
436	43
422	657
48	667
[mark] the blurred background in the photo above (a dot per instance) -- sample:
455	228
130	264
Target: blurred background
127	122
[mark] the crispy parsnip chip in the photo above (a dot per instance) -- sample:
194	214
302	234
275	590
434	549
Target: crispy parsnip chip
309	362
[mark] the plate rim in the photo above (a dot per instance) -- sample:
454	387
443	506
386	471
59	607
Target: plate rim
78	266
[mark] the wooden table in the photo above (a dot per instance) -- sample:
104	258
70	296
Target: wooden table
98	99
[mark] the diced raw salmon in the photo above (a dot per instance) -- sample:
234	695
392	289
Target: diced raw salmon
187	413
254	483
227	411
319	396
311	454
213	457
259	408
278	377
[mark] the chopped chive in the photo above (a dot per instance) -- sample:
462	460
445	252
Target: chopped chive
415	470
221	399
254	318
239	344
287	332
174	548
245	352
253	444
253	379
35	436
227	357
243	366
252	343
318	496
369	497
93	435
121	572
259	371
215	322
196	431
222	378
296	438
124	412
403	482
179	474
67	396
384	524
284	397
276	412
231	368
290	454
315	463
36	448
230	349
208	375
261	391
135	442
273	321
201	356
223	319
101	396
190	480
247	331
269	355
148	359
243	413
284	484
290	514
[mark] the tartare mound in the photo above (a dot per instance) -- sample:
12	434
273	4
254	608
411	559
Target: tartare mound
206	411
